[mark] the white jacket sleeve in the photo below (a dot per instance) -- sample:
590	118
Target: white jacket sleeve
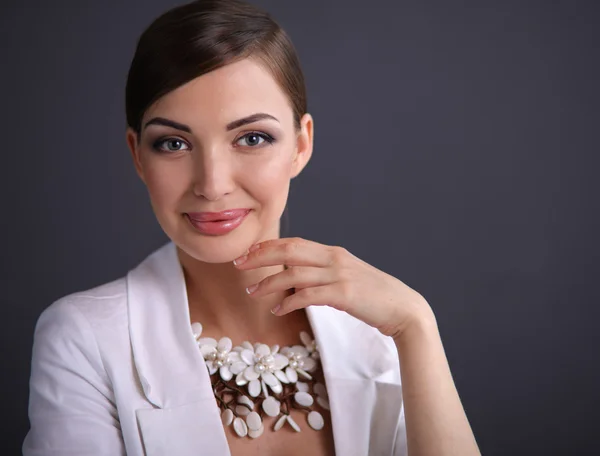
71	403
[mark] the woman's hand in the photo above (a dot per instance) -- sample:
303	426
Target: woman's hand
322	275
325	275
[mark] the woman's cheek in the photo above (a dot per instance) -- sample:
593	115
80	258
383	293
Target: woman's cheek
272	171
166	185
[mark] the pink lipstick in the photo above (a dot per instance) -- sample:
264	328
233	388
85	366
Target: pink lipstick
217	223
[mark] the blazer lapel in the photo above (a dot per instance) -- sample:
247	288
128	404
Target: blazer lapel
364	389
172	372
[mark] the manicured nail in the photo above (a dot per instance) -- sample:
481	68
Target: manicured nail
251	289
254	247
240	260
276	309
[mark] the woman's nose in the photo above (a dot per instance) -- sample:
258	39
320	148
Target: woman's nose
213	175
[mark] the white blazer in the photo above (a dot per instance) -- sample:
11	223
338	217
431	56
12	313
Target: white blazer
116	370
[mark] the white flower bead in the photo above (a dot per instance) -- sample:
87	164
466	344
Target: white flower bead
240	427
238	367
281	376
245	400
242	410
253	421
264	388
316	421
262	350
303	399
303	387
271	406
225	373
240	380
254	388
250	373
270	379
256	434
224	345
207	341
227	417
196	330
280	422
293	423
248	357
291	374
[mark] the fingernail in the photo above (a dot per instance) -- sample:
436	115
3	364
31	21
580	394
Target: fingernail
254	247
275	309
240	260
251	289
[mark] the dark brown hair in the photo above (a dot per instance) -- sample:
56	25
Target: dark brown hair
196	38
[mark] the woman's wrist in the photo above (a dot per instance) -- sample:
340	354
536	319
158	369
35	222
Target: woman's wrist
421	326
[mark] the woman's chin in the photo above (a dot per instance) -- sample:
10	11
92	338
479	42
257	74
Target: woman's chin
213	250
210	255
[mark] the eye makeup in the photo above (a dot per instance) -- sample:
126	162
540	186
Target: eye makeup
253	139
157	146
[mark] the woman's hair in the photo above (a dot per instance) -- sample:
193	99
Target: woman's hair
196	38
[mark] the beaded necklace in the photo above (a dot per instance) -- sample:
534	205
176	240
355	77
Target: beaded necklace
251	381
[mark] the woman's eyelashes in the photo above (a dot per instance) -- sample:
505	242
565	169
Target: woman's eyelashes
250	140
173	145
254	139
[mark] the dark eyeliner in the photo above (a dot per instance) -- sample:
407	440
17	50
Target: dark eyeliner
267	137
156	144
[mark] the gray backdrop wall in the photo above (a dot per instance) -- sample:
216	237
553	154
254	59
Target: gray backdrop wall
456	148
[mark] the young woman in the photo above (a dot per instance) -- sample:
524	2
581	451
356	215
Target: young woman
230	339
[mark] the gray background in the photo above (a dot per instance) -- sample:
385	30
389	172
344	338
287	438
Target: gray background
456	149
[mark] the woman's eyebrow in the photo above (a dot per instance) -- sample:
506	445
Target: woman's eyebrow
249	119
230	126
168	123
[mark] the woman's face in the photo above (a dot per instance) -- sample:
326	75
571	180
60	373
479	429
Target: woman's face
225	140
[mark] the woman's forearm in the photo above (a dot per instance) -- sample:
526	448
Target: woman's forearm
436	423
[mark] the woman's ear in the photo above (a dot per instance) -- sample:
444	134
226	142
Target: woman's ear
304	145
132	143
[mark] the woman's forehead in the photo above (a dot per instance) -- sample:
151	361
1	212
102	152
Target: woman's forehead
231	92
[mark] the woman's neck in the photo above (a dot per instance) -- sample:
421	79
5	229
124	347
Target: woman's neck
218	300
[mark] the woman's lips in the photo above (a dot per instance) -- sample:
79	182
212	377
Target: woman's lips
217	223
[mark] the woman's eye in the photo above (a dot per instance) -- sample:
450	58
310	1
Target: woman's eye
254	139
170	145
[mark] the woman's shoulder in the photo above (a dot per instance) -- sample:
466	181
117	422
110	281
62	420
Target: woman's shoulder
101	313
83	318
98	305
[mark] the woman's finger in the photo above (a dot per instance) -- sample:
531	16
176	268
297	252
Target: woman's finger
324	295
298	277
290	252
273	242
